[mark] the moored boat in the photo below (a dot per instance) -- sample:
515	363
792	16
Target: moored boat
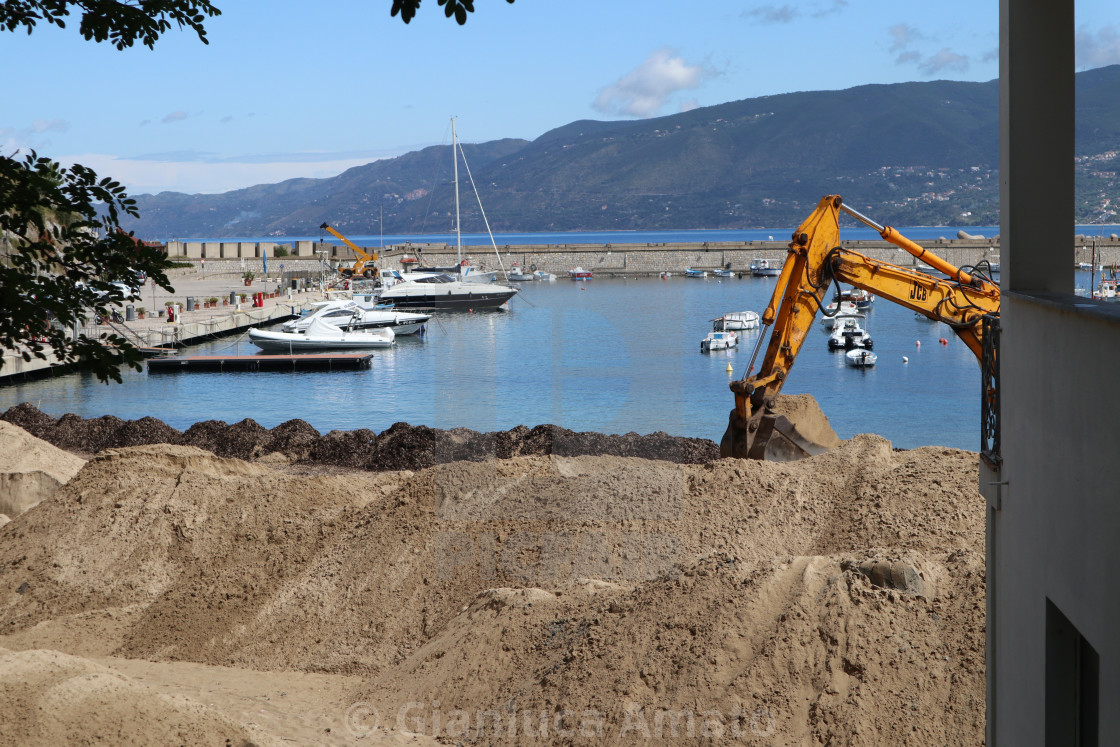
356	316
320	335
848	335
719	341
860	358
760	268
739	320
578	273
444	292
691	273
517	274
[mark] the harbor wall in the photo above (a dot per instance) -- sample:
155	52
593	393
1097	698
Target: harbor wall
625	259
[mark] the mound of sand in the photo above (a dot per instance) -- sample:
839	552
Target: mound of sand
49	698
838	599
30	469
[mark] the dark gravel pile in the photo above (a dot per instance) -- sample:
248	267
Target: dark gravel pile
402	446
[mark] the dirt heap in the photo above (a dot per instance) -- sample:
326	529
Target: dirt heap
30	470
49	698
402	446
836	600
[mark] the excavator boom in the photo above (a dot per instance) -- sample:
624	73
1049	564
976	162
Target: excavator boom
814	261
363	257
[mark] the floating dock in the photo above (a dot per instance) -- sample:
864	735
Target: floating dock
305	362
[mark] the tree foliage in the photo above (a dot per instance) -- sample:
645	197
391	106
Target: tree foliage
451	8
62	256
121	23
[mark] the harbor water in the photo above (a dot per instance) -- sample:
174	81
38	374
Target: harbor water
607	355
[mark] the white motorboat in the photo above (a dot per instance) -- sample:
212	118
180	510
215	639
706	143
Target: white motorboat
578	273
830	322
518	274
860	358
320	335
849	335
440	292
739	320
357	316
761	268
719	341
691	273
546	277
723	273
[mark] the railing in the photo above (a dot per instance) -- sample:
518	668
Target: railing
989	394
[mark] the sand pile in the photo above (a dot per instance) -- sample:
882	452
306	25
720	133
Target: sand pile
610	594
49	698
30	470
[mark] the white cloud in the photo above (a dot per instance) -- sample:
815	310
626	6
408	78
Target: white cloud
944	60
773	13
903	36
54	125
646	89
1096	50
836	7
178	116
201	173
903	40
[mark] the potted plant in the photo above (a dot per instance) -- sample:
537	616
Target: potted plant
141	312
248	277
213	302
244	297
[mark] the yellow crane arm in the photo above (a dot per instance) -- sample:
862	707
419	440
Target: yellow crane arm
363	257
816	259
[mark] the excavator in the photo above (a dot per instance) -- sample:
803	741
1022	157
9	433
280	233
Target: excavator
362	257
816	259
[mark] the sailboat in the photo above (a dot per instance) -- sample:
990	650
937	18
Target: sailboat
449	287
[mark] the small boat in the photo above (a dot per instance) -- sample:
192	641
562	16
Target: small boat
719	341
578	273
831	322
760	268
666	275
543	276
849	335
1106	289
737	320
691	273
860	297
860	358
723	273
321	336
516	273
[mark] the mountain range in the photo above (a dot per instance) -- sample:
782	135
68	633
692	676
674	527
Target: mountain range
907	153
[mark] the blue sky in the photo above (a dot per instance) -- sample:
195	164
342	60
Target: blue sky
289	88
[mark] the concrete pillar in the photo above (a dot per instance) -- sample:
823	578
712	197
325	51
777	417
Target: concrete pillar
194	249
174	249
229	249
304	249
1036	143
247	249
212	250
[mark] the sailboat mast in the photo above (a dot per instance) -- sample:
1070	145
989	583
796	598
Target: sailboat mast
455	160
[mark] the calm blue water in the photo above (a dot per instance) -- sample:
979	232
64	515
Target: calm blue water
606	355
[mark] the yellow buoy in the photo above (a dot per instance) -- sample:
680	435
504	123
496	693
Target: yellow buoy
730	369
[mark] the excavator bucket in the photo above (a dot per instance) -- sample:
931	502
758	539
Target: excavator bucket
794	429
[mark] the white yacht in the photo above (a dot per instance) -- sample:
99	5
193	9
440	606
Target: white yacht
439	292
355	315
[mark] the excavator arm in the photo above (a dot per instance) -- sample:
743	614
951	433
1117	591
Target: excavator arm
362	256
814	261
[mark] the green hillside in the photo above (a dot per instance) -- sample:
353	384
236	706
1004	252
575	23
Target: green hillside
909	153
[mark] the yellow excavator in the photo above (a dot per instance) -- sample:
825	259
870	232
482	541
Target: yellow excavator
815	260
361	257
